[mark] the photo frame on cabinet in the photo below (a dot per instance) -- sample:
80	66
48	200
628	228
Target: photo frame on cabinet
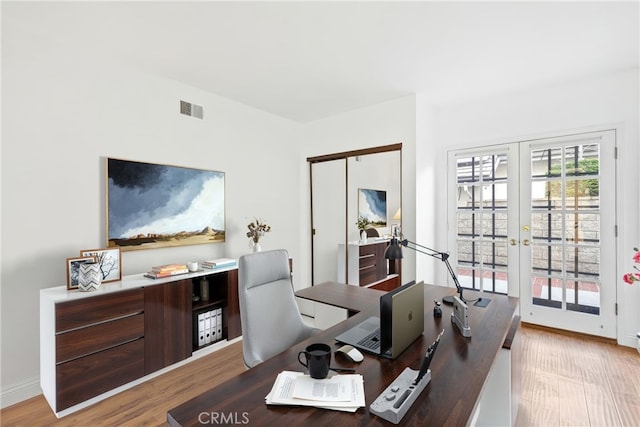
73	269
153	205
109	260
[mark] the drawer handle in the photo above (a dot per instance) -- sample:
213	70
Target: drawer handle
367	267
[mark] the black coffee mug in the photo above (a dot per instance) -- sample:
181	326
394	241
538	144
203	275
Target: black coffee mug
318	359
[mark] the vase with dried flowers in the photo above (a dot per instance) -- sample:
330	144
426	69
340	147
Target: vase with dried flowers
362	224
633	277
257	229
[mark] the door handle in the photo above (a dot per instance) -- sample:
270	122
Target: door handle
525	242
513	242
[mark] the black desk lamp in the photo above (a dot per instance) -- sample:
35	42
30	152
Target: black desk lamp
394	251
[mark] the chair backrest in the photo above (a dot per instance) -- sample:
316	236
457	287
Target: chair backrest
270	318
372	232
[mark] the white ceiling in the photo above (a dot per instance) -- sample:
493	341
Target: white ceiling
308	60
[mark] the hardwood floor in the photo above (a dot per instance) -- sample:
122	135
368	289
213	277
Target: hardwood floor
567	380
571	380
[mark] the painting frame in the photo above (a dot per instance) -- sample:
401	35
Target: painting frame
73	267
109	260
372	205
153	205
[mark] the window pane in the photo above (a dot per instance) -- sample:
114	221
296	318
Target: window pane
583	296
469	196
582	160
546	226
547	259
546	291
465	224
546	163
582	227
582	262
582	194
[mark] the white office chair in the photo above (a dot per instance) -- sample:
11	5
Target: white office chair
270	318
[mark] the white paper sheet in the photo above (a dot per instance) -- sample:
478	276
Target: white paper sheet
340	392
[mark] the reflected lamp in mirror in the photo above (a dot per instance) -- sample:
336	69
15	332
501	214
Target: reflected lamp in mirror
396	229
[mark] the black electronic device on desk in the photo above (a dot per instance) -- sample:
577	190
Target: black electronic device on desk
394	402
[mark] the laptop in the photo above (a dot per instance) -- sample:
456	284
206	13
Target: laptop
401	321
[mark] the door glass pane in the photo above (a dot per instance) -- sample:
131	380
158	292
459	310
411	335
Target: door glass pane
546	291
583	296
582	194
546	162
482	222
565	249
546	226
582	227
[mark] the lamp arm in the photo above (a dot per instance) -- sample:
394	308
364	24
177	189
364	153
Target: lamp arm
442	256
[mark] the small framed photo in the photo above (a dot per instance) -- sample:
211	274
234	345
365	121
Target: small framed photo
109	260
73	269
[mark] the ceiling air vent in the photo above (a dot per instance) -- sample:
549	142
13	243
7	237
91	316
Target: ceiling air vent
189	109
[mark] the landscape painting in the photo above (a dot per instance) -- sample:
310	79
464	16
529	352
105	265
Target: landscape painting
152	206
372	205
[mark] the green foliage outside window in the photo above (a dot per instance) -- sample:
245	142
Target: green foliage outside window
583	187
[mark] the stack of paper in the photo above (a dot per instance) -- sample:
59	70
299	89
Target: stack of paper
339	392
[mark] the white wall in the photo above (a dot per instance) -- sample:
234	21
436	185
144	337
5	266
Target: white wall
64	112
597	103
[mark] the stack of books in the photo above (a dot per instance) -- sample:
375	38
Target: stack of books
167	270
219	263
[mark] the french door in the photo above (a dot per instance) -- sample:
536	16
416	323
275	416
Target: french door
536	219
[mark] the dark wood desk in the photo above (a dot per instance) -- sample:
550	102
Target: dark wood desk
459	370
353	298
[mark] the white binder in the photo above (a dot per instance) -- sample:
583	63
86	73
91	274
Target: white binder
207	327
219	323
214	326
201	330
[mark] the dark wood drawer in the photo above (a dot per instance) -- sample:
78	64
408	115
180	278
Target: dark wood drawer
368	249
87	377
85	341
368	276
368	260
87	311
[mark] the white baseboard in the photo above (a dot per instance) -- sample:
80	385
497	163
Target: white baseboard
17	394
629	341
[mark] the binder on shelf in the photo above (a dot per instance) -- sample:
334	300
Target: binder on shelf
214	326
219	322
201	331
207	327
